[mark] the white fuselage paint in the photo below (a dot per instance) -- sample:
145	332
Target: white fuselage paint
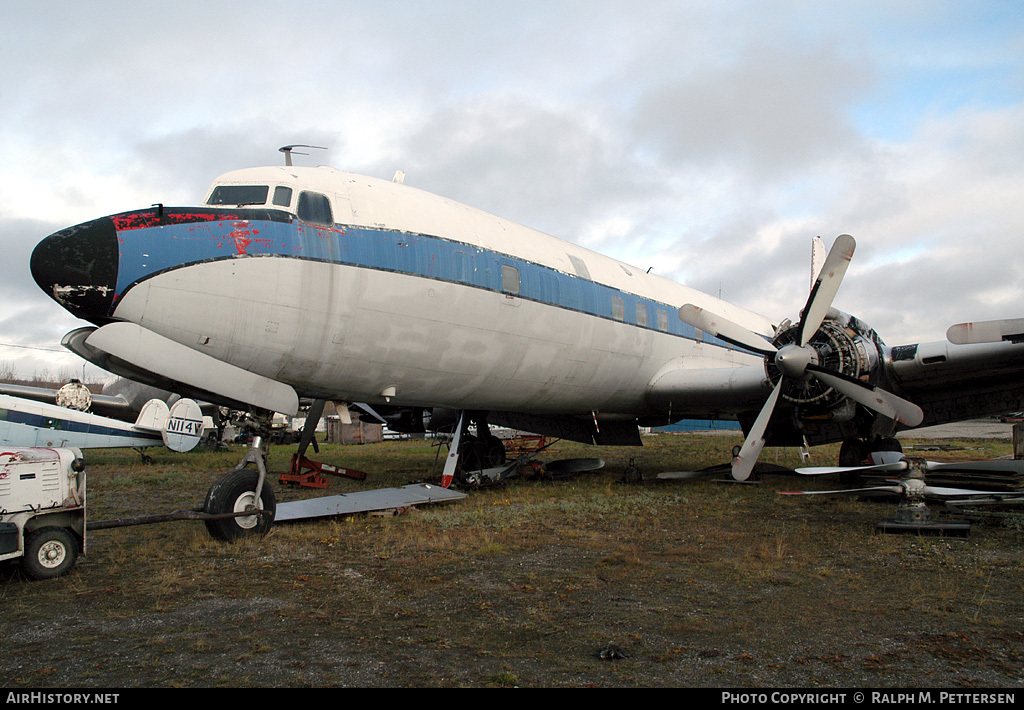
350	332
27	423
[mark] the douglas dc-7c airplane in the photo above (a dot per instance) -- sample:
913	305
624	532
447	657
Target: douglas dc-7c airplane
292	282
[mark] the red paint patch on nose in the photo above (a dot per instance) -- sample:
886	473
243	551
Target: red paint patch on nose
242	236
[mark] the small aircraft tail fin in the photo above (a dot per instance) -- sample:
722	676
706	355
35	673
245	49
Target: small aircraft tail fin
184	426
153	416
181	425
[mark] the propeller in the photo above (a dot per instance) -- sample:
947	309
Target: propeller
1014	466
914	485
799	360
909	487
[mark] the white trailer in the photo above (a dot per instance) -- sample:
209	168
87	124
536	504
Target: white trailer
42	509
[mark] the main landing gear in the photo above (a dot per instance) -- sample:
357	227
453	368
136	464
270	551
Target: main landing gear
474	460
484	450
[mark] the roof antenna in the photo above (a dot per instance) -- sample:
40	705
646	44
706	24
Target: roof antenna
287	150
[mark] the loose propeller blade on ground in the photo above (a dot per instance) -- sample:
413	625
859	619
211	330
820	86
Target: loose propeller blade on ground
886	489
825	470
1004	466
913	486
1008	466
906	488
948	492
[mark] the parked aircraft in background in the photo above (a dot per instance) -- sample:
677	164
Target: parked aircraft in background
25	423
292	282
119	398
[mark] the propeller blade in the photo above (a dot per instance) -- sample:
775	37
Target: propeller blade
887	489
943	491
823	470
991	331
725	329
875	398
1006	466
826	286
744	462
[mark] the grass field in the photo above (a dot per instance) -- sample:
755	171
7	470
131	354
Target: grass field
585	582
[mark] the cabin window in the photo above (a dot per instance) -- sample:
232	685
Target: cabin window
239	195
580	266
618	308
509	279
282	196
662	319
315	209
641	314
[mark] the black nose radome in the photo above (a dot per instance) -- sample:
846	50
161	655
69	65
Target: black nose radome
77	267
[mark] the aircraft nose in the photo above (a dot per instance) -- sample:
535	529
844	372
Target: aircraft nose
77	267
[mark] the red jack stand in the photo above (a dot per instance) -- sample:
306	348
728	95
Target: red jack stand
310	474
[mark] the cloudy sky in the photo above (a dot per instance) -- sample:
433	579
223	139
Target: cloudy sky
708	140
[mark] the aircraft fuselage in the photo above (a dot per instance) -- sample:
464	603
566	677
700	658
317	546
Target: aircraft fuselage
366	290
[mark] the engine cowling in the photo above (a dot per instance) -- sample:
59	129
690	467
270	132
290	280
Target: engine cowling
842	344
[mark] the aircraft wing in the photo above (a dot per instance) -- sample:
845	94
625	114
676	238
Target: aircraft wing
948	381
113	406
36	394
952	382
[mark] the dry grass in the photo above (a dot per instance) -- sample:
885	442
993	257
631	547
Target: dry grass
692	583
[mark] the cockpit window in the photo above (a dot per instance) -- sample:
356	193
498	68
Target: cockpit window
315	209
282	196
239	195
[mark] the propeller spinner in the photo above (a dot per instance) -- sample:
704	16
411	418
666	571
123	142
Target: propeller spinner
800	360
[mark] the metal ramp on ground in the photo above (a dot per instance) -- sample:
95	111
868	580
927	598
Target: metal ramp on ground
364	502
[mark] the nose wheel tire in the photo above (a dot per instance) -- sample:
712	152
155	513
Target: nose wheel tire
235	492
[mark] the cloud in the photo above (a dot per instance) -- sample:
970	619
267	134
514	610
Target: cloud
710	141
547	166
771	113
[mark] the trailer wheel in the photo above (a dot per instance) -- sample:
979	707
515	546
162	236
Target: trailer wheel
49	553
235	492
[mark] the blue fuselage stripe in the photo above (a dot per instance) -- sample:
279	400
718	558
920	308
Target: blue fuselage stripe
68	425
148	251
